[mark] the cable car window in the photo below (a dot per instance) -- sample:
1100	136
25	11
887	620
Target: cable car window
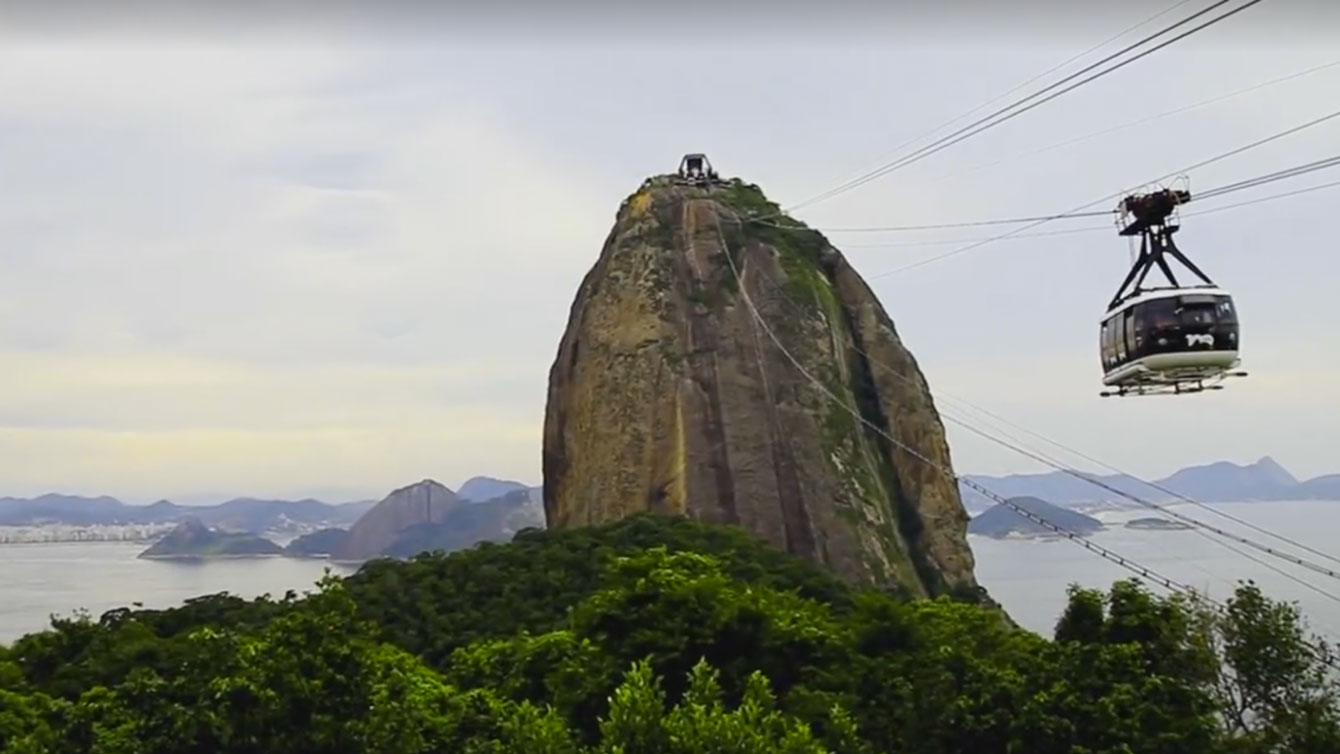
1160	314
1199	314
1225	311
1110	341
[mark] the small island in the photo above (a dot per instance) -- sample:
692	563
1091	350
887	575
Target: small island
1160	524
1002	521
192	540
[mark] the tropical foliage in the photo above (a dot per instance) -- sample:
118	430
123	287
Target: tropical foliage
660	635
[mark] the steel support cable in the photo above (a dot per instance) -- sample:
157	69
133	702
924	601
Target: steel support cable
1091	229
946	226
1109	197
1138	122
1198	529
1154	485
951	138
1129	124
1045	73
982	125
1246	183
1124	562
1223	190
1200	526
1110	555
1280	175
1201	532
1201	529
1273	552
955	241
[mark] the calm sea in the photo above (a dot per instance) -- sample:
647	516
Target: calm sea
1028	577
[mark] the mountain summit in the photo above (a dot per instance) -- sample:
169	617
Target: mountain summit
425	502
668	395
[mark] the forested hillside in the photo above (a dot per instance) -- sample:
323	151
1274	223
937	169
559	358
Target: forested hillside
662	635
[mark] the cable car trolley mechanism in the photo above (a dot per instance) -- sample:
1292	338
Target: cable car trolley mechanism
1172	339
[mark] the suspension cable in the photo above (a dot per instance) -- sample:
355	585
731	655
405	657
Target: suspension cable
1141	571
1246	183
1057	465
1133	123
1199	531
1092	229
1109	197
1045	73
1280	175
1127	563
1274	552
1154	485
987	123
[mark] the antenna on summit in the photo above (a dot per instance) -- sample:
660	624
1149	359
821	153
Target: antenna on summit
696	170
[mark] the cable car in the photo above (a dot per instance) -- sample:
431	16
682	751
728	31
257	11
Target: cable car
1169	339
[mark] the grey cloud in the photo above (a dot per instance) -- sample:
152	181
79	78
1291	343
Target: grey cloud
496	174
343	169
346	222
707	22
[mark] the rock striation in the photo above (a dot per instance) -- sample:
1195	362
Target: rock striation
669	395
427	516
425	502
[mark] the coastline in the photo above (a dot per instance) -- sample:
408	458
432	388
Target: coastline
220	556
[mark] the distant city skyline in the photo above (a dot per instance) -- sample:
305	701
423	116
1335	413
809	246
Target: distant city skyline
251	265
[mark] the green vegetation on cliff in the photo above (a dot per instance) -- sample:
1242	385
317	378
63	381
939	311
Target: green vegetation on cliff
858	455
661	635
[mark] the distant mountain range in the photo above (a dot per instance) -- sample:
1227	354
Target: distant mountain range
1221	482
238	515
420	517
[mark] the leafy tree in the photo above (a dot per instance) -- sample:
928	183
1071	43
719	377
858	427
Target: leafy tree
665	635
1276	687
700	724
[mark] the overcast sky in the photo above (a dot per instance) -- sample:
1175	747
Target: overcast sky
333	255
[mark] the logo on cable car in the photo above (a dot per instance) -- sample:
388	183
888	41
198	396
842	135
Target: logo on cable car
1201	338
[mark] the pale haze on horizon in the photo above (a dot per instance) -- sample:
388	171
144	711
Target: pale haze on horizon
335	263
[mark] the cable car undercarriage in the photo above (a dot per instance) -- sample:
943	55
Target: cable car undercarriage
1165	340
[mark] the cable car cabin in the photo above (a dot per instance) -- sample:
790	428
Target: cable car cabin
1169	339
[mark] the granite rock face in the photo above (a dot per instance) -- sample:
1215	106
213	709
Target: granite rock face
425	502
669	395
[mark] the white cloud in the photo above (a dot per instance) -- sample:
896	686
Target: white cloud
252	269
395	316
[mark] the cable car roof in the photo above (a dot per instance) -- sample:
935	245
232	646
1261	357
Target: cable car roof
1161	293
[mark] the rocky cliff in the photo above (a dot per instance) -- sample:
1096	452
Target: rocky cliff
668	395
425	502
428	516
